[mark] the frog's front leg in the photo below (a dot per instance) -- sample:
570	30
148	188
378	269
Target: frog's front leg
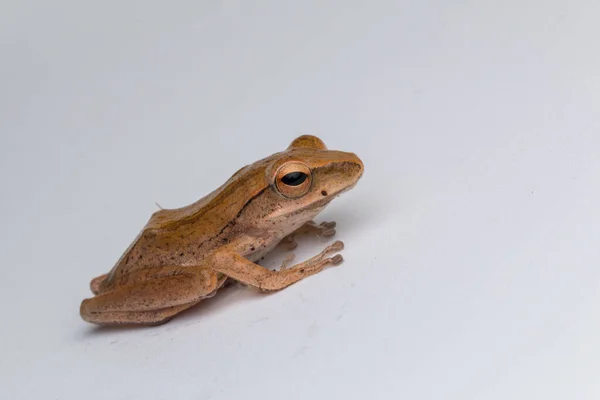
249	273
152	301
326	229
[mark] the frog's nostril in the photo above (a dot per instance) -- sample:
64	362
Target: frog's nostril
324	192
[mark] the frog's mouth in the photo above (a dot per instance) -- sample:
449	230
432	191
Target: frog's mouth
327	197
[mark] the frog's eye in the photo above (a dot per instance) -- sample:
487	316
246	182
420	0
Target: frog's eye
293	179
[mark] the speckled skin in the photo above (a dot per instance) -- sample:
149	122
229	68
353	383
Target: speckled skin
185	255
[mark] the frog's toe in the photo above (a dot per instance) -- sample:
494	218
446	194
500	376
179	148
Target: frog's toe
97	282
337	259
328	224
326	228
289	243
328	232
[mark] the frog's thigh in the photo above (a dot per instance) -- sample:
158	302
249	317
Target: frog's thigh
154	317
151	301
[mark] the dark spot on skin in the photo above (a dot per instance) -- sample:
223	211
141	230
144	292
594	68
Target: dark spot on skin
252	248
181	254
302	270
225	240
324	192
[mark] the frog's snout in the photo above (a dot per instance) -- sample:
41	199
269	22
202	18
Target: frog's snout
357	161
354	166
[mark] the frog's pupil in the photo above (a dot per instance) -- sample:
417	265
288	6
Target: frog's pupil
294	178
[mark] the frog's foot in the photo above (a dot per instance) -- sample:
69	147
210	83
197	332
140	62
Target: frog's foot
325	229
323	257
336	246
286	276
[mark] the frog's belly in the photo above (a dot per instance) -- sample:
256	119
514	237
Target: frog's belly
292	224
257	255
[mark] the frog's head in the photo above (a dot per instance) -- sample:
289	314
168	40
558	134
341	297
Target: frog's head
304	178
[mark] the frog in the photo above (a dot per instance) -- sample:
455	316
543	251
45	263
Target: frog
185	255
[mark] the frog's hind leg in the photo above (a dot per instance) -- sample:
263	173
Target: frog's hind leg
149	318
150	302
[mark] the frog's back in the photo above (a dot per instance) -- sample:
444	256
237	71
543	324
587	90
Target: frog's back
182	237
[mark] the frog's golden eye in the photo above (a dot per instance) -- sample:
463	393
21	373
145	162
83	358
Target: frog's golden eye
293	179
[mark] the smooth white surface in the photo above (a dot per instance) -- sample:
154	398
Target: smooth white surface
472	263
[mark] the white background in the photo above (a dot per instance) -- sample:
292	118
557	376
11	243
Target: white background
472	242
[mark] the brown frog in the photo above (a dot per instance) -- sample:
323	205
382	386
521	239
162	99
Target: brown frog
185	255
